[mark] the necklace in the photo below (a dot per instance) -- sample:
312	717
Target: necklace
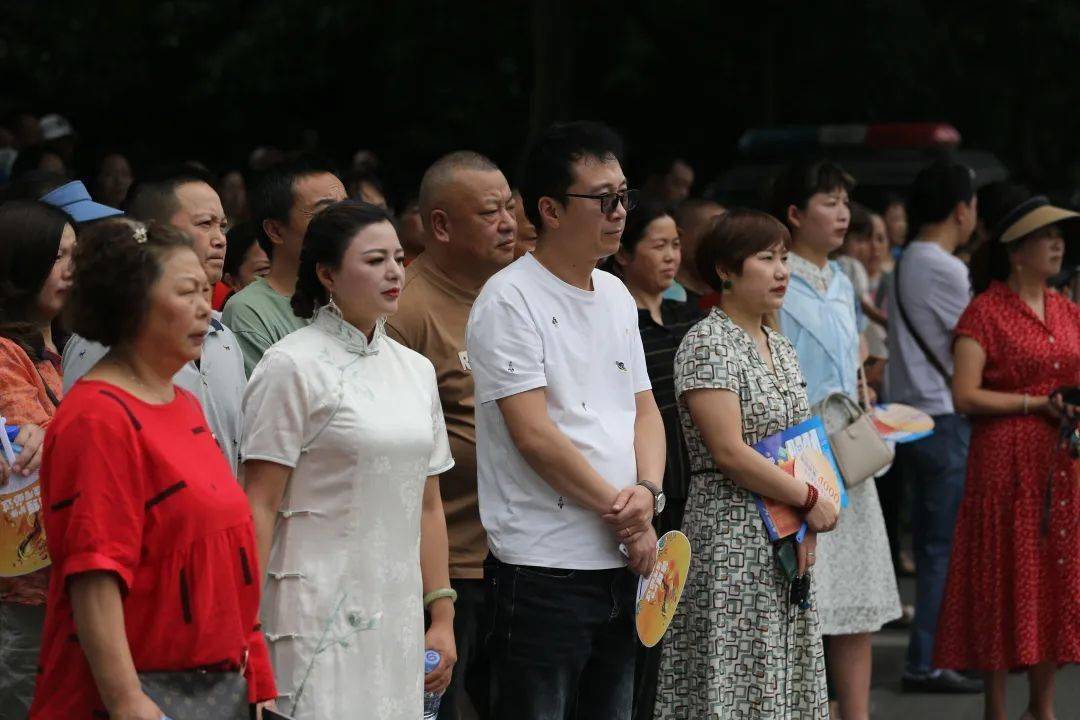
128	371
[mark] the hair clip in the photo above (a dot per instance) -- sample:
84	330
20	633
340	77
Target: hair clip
140	234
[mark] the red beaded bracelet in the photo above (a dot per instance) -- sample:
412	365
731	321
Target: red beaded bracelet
811	498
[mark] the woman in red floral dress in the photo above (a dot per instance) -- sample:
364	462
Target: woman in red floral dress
1012	601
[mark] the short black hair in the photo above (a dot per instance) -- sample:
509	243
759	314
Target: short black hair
638	221
357	177
937	190
238	241
153	199
30	233
272	194
328	237
803	179
547	168
114	271
660	162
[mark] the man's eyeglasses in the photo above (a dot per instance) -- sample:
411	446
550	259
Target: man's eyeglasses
608	201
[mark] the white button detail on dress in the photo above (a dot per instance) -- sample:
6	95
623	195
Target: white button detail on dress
287	575
1051	339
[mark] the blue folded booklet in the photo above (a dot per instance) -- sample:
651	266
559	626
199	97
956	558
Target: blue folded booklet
804	452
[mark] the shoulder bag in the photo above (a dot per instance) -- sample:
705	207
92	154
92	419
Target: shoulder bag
198	695
938	365
856	444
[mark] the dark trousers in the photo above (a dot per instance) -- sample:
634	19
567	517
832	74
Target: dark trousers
472	624
935	469
20	641
562	644
890	487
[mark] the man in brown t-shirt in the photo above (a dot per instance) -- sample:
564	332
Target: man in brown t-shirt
468	215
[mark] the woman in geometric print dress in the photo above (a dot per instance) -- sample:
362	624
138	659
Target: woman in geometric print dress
1012	601
737	647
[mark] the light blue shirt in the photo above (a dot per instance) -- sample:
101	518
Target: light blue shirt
822	327
676	292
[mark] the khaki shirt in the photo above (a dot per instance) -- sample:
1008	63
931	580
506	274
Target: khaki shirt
431	319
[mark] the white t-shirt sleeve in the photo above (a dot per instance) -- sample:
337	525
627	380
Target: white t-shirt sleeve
441	460
505	349
637	351
276	412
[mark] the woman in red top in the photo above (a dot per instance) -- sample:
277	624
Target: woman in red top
1012	601
154	562
36	241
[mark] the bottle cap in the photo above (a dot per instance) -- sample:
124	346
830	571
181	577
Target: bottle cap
12	432
431	660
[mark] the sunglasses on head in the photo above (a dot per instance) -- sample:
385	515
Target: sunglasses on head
608	201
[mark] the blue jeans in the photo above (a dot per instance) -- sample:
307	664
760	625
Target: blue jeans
562	642
934	468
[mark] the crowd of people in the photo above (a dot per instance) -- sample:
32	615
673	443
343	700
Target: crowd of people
288	439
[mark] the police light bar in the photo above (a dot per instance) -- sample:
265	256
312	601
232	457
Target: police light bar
880	136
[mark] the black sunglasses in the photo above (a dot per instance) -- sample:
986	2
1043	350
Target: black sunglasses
608	201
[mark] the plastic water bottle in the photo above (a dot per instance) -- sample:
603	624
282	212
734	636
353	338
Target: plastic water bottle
12	432
431	700
8	449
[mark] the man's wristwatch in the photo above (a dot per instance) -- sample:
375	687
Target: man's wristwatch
659	499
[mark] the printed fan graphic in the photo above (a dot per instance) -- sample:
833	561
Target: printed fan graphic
659	594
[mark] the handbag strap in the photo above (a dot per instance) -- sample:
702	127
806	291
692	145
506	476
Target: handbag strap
854	412
938	365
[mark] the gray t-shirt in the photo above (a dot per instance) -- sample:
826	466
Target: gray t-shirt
935	291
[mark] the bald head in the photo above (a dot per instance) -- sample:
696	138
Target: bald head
441	177
468	214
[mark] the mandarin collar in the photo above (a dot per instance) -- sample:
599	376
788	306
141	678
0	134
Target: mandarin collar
329	319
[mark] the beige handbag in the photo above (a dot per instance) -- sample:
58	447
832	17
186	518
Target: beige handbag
858	448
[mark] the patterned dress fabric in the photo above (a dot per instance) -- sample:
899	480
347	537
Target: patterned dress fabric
736	647
361	425
1013	594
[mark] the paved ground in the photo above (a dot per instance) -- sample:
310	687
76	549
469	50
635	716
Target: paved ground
888	703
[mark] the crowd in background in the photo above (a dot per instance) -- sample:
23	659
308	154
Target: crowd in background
461	423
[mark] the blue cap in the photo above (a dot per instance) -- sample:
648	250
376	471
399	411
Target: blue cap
12	432
431	660
75	201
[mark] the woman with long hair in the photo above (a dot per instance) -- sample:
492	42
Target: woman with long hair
1012	601
344	443
36	242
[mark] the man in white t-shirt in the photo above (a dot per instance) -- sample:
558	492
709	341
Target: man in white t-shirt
570	443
